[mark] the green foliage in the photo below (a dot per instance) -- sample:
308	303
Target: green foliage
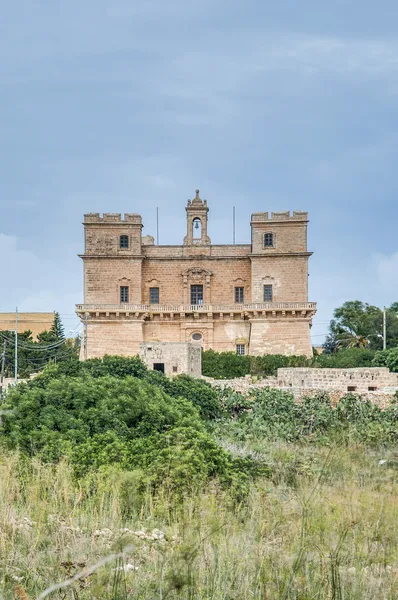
199	392
33	355
270	363
274	414
124	422
224	365
57	328
360	325
346	358
387	358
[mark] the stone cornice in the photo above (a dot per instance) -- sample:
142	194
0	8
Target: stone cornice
266	310
111	256
279	254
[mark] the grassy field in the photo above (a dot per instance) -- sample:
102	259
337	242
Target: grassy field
324	524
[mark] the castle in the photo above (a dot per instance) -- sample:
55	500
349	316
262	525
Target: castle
250	298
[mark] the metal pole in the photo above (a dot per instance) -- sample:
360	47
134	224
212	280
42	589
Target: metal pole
16	346
234	224
384	329
157	225
3	364
86	336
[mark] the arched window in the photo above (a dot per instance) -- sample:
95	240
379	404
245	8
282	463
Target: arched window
124	242
197	229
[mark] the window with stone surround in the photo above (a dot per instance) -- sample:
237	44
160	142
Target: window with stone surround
154	295
268	293
239	295
241	349
268	240
124	242
124	294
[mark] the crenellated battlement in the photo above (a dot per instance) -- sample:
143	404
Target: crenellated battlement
113	218
262	217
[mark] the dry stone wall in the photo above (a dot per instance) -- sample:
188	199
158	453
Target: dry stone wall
375	384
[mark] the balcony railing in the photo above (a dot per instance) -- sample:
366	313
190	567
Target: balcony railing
192	308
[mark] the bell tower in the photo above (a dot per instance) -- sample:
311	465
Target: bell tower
197	218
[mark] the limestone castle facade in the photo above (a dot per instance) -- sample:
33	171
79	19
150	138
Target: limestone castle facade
250	298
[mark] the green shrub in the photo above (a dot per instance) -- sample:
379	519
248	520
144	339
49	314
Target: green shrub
387	358
199	392
270	363
346	358
124	423
224	365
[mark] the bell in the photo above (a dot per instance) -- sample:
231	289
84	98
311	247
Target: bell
196	224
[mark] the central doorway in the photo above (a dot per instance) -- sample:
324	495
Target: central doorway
158	367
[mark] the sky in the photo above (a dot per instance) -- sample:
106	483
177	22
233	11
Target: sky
129	105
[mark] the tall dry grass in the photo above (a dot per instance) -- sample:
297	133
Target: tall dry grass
324	525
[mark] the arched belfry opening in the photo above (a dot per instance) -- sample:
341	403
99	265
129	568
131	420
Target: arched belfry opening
197	218
197	229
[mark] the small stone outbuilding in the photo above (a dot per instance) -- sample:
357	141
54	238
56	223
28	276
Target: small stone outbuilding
173	358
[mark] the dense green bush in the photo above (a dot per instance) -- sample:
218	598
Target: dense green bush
270	363
224	365
200	393
124	422
346	358
387	358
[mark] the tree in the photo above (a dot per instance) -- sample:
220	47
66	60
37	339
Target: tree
360	325
57	328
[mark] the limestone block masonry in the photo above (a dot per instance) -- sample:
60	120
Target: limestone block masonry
246	298
173	358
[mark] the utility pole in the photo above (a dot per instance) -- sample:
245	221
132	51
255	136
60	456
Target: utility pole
16	345
384	329
157	226
86	336
3	364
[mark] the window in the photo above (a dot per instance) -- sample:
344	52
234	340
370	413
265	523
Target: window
240	349
124	242
154	295
372	388
124	293
268	240
351	388
197	337
196	294
175	369
268	293
239	295
158	367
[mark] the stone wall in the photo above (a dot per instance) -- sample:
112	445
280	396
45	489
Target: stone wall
375	384
359	380
176	358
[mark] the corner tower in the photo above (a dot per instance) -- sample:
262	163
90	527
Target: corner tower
197	219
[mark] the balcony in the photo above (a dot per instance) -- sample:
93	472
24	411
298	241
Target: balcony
303	309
